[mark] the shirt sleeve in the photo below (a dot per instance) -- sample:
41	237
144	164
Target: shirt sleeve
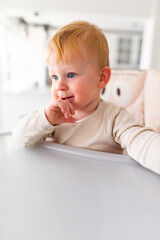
32	129
141	143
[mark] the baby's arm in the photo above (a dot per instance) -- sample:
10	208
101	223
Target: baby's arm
142	144
32	129
37	126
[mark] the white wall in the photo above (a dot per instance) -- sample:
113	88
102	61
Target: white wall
150	58
138	8
155	52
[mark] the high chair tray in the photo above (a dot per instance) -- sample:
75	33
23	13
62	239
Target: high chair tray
58	192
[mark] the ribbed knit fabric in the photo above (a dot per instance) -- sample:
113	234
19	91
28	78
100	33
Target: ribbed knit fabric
109	128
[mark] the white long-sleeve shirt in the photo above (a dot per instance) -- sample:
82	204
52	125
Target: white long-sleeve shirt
109	128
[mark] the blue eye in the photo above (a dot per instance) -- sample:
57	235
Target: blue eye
71	75
55	77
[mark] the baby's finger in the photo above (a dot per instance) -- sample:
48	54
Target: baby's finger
65	110
72	109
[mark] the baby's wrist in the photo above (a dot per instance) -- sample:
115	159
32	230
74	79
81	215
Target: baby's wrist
49	119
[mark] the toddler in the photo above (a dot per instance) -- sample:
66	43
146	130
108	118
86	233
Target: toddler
77	57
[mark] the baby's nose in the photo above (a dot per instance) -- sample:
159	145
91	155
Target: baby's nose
61	84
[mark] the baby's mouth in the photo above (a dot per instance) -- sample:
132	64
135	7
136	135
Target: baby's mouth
67	98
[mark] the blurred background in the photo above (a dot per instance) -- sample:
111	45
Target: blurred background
131	26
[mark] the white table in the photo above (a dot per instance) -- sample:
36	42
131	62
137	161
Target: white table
49	194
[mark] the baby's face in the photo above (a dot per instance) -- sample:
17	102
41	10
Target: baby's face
76	81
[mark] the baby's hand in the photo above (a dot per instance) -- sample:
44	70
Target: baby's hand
59	111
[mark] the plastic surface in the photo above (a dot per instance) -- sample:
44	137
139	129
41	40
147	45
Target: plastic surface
57	192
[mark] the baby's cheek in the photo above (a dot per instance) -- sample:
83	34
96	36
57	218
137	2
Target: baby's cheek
54	93
82	94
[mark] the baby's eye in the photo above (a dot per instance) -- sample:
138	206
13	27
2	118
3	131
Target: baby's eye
55	77
71	75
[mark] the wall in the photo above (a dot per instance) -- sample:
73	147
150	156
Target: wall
155	53
132	8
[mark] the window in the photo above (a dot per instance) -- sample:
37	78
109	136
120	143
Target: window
139	51
124	50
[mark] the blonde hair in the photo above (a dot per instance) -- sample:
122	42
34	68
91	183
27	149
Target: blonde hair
76	34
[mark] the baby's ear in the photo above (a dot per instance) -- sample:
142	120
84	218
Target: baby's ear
105	75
